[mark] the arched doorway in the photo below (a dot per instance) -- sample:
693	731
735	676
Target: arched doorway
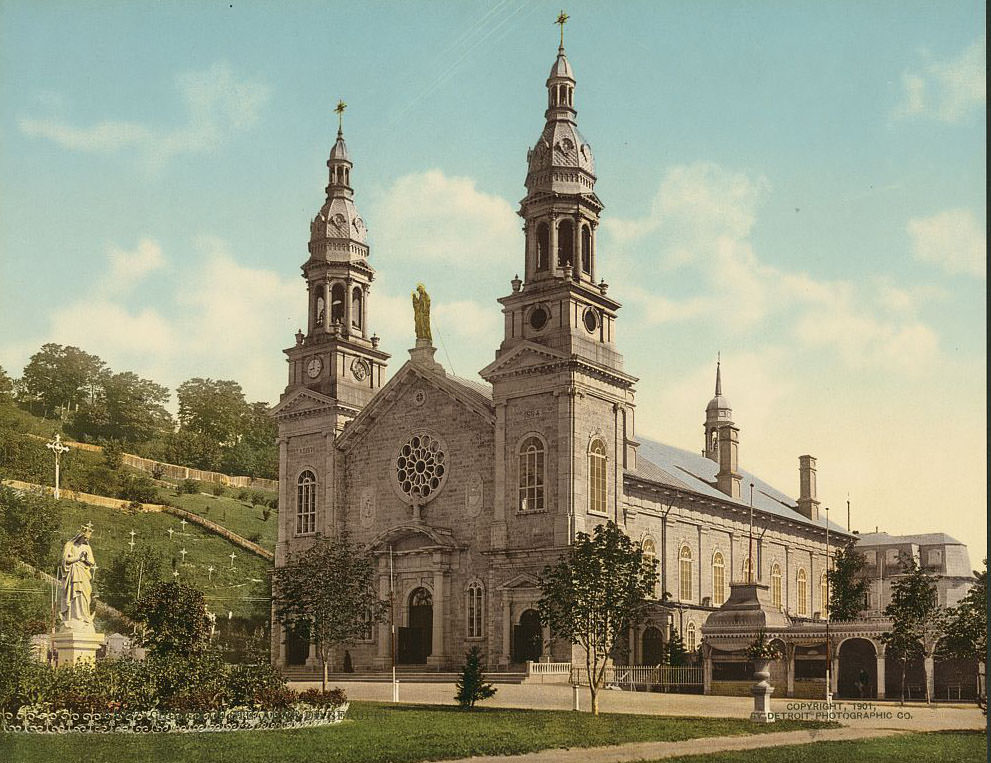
528	638
416	640
652	647
858	670
298	644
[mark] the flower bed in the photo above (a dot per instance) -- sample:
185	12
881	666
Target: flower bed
40	720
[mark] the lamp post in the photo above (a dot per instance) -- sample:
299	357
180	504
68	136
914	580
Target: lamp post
57	447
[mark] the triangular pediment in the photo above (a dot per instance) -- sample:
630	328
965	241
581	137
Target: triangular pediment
523	580
393	391
301	402
412	536
522	356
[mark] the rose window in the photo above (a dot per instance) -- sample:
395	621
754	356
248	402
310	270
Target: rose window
421	467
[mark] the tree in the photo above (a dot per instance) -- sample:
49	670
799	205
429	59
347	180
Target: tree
848	584
675	652
175	620
62	377
471	684
327	588
967	628
213	408
6	387
29	526
597	591
126	408
918	622
130	573
192	449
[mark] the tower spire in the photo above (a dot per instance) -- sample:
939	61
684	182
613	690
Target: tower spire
719	383
339	110
562	19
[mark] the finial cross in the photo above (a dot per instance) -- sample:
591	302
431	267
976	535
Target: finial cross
339	110
562	19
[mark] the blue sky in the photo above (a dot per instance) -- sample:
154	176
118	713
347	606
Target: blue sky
799	186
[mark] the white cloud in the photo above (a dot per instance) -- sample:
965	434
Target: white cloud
946	90
952	240
700	224
129	268
217	104
429	217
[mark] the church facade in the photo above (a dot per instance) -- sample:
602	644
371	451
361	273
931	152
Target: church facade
465	490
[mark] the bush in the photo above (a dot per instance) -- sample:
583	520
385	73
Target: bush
189	487
329	698
255	537
138	488
244	494
217	489
113	454
471	683
157	471
258	498
101	480
266	513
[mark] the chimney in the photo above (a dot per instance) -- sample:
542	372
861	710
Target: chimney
728	479
808	505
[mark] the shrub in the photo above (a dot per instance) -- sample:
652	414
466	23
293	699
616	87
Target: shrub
471	683
329	698
266	513
217	489
138	488
157	471
244	494
255	537
101	480
113	454
175	615
189	487
258	498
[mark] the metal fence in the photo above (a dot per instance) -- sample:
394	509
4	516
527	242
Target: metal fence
646	677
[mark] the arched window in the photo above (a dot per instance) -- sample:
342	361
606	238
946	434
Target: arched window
337	303
356	300
306	503
690	637
597	477
748	570
319	311
718	579
565	243
803	594
776	585
650	557
474	603
586	250
685	573
543	245
531	475
824	595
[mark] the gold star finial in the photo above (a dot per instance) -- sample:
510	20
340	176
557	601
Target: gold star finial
339	110
562	19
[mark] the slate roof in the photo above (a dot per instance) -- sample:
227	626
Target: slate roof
684	470
925	539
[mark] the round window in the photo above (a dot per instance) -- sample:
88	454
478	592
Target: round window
538	318
591	320
420	468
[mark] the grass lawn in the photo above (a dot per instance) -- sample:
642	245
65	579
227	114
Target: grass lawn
935	747
225	589
380	732
247	521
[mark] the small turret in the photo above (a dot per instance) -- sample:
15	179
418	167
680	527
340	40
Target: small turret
718	413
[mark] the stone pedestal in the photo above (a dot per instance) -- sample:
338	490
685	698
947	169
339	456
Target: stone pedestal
423	355
74	646
762	691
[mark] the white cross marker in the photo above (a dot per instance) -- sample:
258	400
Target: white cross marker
131	543
58	448
183	552
170	533
209	571
232	560
183	523
175	574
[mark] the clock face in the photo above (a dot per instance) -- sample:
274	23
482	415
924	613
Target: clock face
359	368
313	367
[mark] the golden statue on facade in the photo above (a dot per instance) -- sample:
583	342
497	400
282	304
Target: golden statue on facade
421	313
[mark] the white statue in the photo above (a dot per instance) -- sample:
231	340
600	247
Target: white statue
75	582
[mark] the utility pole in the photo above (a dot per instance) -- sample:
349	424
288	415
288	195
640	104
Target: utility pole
392	623
825	607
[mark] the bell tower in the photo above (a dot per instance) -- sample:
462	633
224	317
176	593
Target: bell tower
337	356
718	413
564	405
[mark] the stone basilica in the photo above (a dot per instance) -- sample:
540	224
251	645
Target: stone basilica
467	490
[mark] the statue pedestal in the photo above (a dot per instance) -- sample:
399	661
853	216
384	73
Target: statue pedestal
72	646
423	356
762	691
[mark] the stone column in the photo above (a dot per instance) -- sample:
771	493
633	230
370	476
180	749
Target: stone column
364	311
706	669
498	528
790	649
880	671
326	305
507	629
593	226
348	303
545	650
438	651
632	658
286	512
929	664
834	672
576	248
311	655
552	263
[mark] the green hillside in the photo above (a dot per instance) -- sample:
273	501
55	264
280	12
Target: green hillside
255	522
244	590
